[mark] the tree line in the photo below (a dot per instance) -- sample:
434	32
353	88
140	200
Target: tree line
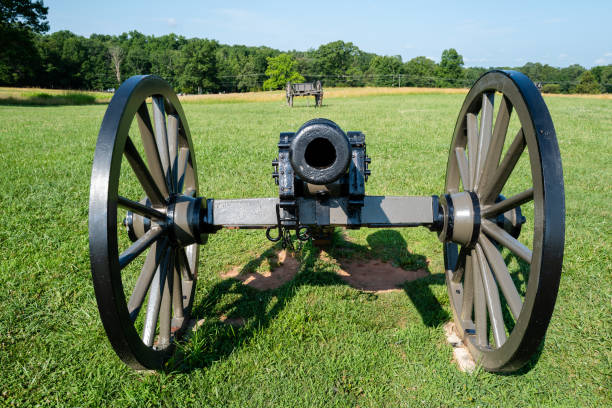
66	60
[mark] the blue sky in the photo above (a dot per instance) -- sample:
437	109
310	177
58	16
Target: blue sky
491	33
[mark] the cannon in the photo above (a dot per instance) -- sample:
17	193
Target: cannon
502	247
304	89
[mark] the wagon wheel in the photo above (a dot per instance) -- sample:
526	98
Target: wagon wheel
288	93
162	261
502	289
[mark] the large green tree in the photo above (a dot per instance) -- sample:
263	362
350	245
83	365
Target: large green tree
199	66
385	71
333	60
281	69
587	84
20	22
451	69
603	74
420	71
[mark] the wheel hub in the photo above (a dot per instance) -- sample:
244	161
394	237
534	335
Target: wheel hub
461	218
183	222
185	213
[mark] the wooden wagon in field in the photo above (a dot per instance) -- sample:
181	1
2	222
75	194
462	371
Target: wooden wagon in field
305	89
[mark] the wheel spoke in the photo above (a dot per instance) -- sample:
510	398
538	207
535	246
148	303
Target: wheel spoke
154	257
507	240
460	265
177	287
161	137
173	130
484	139
502	275
492	297
480	304
183	159
165	311
472	145
140	209
467	303
507	204
496	145
142	173
150	148
462	163
186	271
497	182
139	246
154	303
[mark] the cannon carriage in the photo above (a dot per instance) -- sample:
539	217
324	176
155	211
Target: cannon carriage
144	243
304	89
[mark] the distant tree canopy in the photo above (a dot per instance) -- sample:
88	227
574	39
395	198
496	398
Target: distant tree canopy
281	69
24	14
587	84
421	71
20	21
450	70
385	71
198	66
29	57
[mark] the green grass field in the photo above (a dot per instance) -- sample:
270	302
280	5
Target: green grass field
315	341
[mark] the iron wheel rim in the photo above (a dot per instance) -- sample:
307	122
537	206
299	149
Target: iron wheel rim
103	209
549	218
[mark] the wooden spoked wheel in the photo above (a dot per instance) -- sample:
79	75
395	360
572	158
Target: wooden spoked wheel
504	220
144	288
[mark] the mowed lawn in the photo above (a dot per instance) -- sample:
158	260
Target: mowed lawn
315	341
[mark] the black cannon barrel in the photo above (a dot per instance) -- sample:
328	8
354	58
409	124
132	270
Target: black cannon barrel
320	152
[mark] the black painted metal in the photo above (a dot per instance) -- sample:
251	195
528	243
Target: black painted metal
319	139
476	209
321	161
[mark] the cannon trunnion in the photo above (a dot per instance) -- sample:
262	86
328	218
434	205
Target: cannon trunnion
500	219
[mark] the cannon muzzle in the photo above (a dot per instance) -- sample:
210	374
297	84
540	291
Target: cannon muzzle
320	152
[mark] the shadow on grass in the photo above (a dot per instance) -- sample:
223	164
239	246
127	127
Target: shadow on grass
307	105
45	99
249	311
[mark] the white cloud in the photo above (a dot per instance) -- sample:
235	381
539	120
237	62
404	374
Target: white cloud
605	59
170	21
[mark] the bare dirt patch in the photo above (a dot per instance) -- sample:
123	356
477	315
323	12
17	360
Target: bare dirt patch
285	271
376	276
367	275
